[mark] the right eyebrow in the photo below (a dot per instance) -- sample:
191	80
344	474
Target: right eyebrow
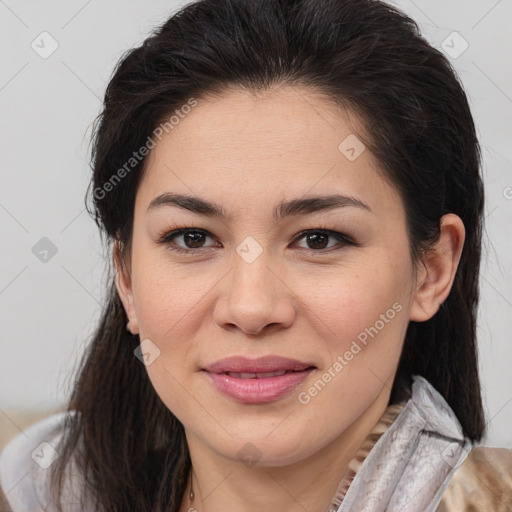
300	206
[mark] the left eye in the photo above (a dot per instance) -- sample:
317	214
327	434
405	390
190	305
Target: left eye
194	238
319	238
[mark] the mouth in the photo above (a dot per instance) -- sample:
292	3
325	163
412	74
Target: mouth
248	368
257	380
262	375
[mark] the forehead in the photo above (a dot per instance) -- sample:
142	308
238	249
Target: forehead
249	148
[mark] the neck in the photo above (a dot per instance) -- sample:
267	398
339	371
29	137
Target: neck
220	484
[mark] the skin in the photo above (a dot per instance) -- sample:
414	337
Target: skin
248	153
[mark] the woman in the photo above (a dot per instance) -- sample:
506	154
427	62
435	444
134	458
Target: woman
292	195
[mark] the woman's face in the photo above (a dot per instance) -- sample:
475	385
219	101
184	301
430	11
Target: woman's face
252	285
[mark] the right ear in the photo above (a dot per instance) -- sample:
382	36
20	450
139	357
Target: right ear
124	287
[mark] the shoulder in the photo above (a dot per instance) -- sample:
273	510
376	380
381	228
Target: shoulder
24	462
482	482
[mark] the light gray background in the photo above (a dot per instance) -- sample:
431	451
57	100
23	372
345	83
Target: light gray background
49	310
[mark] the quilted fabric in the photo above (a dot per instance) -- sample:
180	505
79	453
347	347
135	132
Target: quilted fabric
483	483
412	462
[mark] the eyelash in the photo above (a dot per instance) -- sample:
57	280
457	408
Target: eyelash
166	238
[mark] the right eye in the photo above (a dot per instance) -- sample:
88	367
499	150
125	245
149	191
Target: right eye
193	239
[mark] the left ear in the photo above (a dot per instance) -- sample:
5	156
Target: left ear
435	278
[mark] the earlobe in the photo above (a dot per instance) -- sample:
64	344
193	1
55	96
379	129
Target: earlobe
435	279
124	289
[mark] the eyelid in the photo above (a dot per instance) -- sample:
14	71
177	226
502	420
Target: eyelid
165	239
173	232
341	237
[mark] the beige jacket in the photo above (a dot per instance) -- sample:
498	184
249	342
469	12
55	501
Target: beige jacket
482	483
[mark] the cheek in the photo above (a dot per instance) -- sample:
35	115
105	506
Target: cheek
163	295
166	311
362	316
349	302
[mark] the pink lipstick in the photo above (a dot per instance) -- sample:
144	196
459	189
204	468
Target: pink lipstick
259	380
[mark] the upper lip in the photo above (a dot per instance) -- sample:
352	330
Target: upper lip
240	364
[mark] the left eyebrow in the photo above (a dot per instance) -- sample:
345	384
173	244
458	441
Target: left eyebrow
302	206
308	205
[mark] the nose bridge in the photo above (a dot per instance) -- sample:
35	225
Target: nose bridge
253	282
254	296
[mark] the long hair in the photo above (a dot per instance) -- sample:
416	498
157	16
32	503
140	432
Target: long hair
362	54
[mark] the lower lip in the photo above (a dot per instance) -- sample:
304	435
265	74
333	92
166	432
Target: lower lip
256	391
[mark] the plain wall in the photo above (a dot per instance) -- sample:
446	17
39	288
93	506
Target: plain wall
49	309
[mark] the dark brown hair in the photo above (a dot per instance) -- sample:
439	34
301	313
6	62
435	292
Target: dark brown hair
363	54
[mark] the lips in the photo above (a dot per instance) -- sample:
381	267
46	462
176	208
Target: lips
256	381
248	375
257	368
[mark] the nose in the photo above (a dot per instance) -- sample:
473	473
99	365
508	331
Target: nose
255	299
